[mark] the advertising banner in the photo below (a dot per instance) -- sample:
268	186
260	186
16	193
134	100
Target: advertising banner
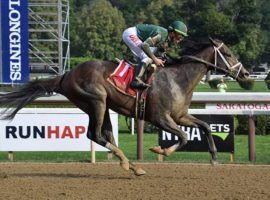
14	41
222	130
49	129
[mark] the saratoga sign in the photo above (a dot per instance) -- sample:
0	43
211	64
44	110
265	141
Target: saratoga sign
240	106
222	130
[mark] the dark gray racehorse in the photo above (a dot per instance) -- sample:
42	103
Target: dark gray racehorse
168	99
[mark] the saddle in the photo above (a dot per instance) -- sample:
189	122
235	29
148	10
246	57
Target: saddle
121	79
123	75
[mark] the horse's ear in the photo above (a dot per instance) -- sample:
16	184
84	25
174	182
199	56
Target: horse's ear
213	41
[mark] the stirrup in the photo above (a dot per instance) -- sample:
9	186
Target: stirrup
142	82
139	84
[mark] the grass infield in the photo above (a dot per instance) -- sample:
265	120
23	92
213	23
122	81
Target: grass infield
233	86
128	143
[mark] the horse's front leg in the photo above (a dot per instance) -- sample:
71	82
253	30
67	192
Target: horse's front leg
169	125
125	163
189	120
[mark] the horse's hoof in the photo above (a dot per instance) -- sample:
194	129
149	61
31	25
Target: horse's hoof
214	162
157	150
139	171
166	152
125	165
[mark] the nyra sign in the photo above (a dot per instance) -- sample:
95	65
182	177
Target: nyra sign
49	130
222	130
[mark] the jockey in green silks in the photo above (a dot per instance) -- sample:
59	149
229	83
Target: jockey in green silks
142	37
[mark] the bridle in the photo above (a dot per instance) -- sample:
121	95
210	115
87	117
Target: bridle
232	71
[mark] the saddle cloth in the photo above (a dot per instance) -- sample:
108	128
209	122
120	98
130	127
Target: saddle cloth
121	78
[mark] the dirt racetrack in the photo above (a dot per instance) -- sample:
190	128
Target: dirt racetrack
108	181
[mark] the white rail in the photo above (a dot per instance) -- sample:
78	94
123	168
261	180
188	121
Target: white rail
232	103
209	97
198	97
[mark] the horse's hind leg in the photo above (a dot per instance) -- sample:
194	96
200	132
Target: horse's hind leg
107	129
169	125
189	120
108	135
92	100
94	133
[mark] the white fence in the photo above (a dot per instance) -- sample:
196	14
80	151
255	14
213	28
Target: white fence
198	97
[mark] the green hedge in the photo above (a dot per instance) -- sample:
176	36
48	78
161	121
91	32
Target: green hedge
74	61
214	82
262	123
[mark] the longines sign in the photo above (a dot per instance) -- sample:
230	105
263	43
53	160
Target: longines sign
14	41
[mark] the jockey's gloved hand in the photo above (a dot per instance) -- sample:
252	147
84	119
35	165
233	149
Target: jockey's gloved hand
167	58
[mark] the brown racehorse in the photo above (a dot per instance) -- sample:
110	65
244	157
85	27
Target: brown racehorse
168	98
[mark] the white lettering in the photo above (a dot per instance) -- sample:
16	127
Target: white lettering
226	128
12	3
15	40
220	127
192	134
166	136
195	134
14	15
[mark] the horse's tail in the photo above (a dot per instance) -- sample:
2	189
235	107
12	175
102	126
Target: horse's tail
16	100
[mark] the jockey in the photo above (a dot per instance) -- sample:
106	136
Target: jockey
142	37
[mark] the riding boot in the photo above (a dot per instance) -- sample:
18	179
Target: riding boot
137	82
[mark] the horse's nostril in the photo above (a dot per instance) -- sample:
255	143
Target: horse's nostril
247	74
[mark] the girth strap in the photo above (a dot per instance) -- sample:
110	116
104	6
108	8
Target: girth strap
140	104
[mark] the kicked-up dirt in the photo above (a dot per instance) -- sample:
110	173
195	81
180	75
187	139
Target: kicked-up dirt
109	181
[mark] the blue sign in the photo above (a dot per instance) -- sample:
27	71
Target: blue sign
14	27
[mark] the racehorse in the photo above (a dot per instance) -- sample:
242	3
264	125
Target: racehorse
167	103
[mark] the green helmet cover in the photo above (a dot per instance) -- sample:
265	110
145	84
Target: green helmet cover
178	27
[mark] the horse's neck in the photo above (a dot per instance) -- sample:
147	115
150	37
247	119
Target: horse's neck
195	70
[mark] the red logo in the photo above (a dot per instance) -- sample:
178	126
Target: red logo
35	132
135	39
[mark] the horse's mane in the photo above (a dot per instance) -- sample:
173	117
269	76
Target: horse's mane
191	47
188	47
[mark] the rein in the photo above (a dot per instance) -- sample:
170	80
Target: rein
228	71
206	62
